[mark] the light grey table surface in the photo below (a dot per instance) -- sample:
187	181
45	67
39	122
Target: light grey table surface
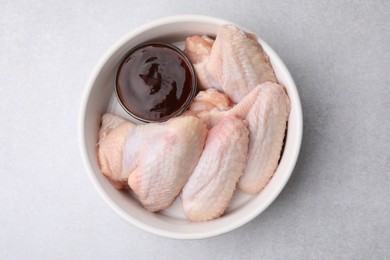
337	202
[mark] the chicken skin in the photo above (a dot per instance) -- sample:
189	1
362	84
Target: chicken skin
210	188
265	109
155	160
235	63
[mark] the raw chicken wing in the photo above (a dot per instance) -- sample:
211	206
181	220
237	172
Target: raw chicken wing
155	159
210	188
266	108
235	63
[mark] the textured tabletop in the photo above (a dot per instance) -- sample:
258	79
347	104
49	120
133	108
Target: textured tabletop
336	204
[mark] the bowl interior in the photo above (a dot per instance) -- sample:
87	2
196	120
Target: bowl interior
100	98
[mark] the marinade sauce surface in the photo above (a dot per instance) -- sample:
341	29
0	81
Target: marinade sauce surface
154	82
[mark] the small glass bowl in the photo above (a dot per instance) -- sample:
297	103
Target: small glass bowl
189	98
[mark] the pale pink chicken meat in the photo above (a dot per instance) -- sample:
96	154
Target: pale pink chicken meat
235	63
208	99
112	137
210	188
198	51
155	160
207	103
266	109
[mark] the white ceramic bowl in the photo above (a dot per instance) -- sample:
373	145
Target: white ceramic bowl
99	98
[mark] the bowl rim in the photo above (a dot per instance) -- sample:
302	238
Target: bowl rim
293	93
